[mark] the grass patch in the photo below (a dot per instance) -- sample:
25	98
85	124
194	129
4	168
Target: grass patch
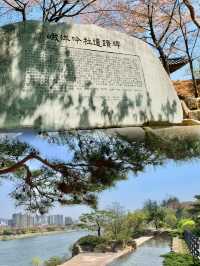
177	259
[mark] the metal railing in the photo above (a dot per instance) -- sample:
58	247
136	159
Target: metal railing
193	243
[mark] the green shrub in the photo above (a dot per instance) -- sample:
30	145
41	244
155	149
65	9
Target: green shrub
21	231
34	230
50	229
186	224
54	261
36	261
138	233
196	232
91	241
101	248
7	232
177	233
176	259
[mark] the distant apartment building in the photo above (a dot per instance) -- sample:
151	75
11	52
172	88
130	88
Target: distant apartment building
4	222
56	220
40	220
20	220
68	221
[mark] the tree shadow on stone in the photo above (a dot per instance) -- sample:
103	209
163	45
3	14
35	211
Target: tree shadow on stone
32	74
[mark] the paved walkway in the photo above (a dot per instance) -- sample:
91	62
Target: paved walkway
101	259
179	246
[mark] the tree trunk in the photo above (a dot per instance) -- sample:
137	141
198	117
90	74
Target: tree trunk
99	231
156	224
196	93
189	55
164	60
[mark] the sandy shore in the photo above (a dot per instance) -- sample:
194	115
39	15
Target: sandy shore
102	259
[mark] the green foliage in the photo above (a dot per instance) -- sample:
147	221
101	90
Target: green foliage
175	233
182	212
196	231
22	231
103	247
54	261
36	261
171	202
178	149
95	220
155	213
135	223
7	232
97	162
51	228
92	241
195	210
170	218
116	226
186	224
34	230
176	259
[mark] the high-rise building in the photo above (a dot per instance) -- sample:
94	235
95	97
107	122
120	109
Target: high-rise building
4	222
68	221
55	220
22	220
40	220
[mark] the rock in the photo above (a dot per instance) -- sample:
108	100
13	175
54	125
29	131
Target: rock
68	76
76	249
117	245
132	243
102	248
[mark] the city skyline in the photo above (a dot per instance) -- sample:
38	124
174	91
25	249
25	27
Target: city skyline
25	220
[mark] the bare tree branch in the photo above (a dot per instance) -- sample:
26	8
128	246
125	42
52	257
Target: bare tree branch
191	9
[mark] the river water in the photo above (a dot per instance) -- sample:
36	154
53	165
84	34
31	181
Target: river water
21	251
147	255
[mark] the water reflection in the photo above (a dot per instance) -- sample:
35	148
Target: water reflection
148	254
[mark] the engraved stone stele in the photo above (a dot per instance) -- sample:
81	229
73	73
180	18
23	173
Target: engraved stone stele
62	76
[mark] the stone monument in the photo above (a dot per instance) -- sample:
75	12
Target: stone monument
61	76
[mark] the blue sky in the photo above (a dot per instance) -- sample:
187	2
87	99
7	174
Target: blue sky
173	179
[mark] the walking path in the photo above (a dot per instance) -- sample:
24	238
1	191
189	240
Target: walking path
102	259
179	246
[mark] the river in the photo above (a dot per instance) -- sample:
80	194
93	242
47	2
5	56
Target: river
147	254
20	252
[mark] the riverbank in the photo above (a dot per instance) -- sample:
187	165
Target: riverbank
103	259
29	235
